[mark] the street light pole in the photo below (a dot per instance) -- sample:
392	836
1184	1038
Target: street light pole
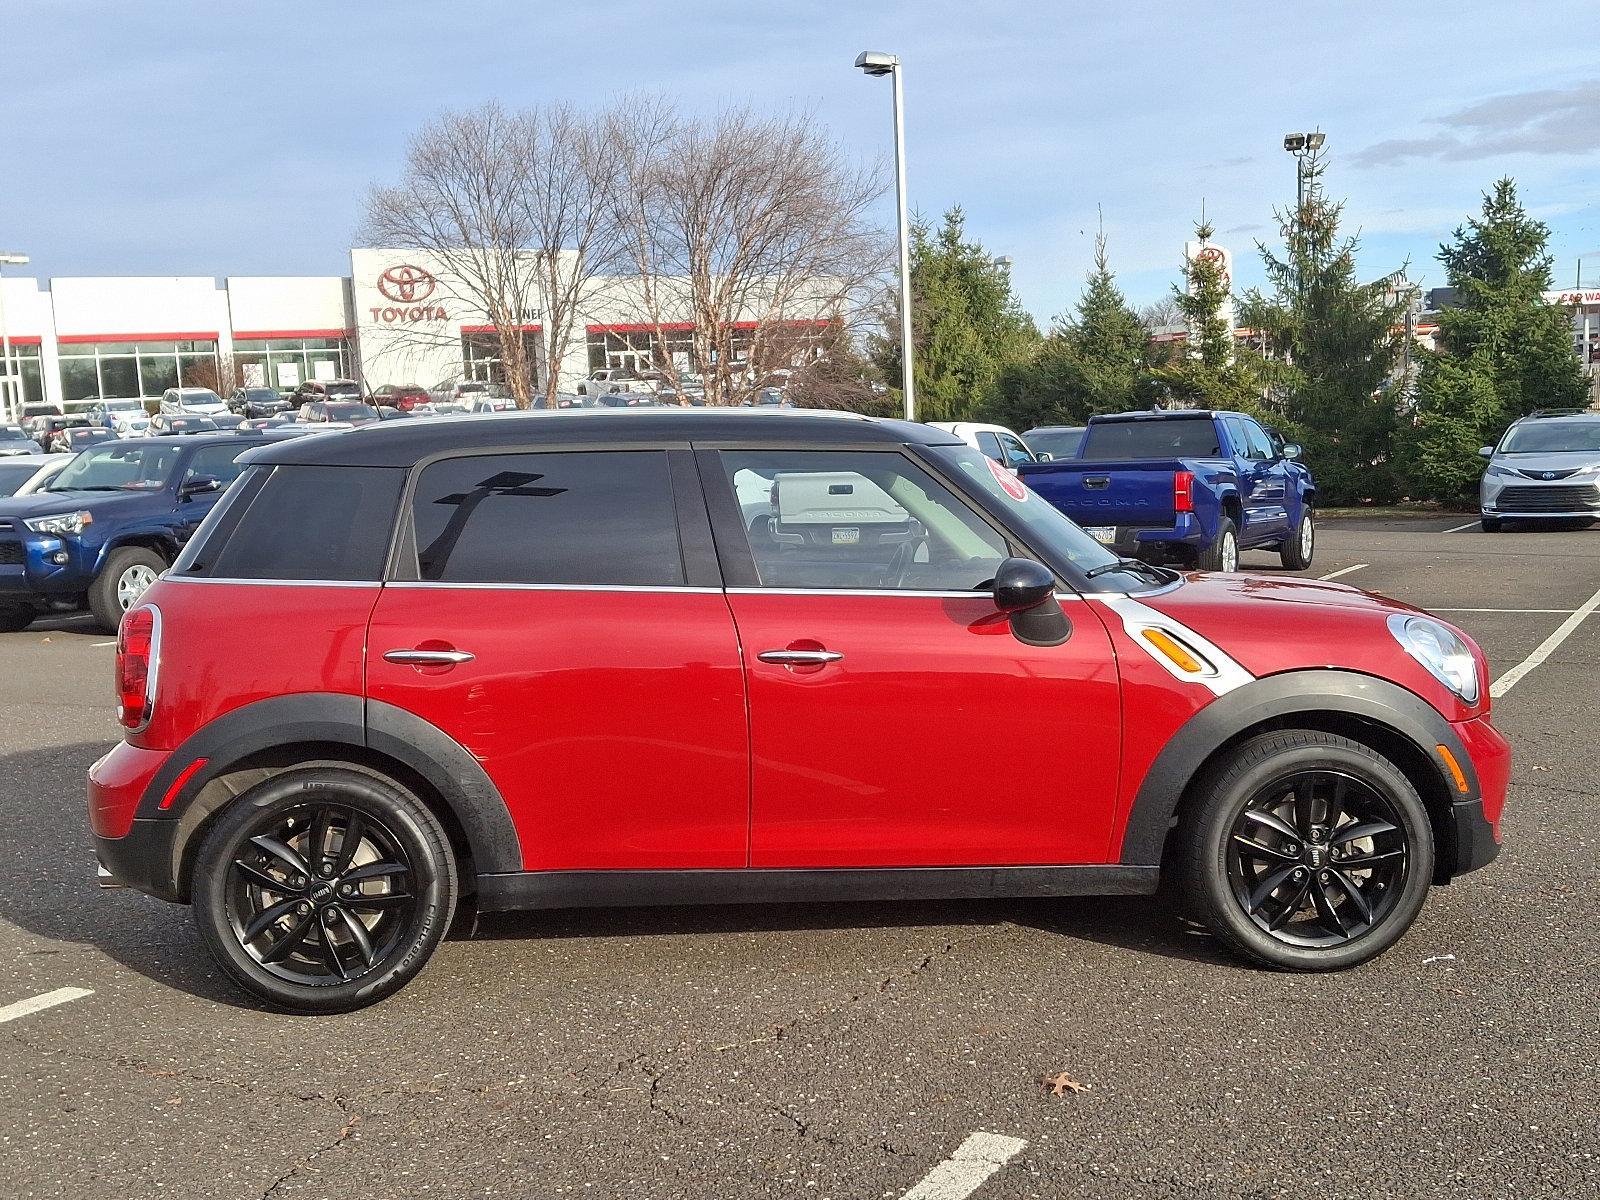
9	387
877	63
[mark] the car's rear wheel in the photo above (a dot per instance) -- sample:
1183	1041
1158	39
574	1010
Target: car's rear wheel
1490	524
1299	547
1307	851
324	889
1223	552
122	583
15	617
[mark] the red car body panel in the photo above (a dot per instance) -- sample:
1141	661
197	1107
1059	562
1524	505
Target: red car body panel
910	750
117	783
611	721
225	646
1262	622
1490	753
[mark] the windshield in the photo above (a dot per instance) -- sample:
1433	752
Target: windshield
13	433
1159	437
1555	437
1057	443
198	396
348	412
260	394
1044	527
342	389
118	467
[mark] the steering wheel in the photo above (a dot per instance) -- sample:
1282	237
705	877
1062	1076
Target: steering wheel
900	564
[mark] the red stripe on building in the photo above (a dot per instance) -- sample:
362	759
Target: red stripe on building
265	335
493	329
25	339
73	339
688	326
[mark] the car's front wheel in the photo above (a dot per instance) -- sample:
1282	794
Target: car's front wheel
122	583
1307	851
324	889
1301	545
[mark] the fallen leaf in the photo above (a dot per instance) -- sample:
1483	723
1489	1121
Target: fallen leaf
1061	1083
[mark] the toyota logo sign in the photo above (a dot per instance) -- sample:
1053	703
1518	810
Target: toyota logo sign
406	284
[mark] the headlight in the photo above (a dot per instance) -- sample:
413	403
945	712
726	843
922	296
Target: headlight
1437	647
64	523
1591	469
1494	470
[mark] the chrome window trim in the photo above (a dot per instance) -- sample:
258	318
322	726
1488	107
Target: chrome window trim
322	583
967	595
474	586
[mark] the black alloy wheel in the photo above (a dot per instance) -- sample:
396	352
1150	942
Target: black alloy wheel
325	888
1318	858
1305	851
320	894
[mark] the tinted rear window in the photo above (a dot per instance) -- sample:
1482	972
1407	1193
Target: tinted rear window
1184	437
311	523
586	518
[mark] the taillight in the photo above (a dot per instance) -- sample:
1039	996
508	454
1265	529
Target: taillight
1183	491
138	656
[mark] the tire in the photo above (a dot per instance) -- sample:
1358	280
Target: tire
1223	552
1490	524
111	594
1221	875
380	939
15	619
1296	552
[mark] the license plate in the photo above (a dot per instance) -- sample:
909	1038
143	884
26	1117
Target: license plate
846	537
1104	534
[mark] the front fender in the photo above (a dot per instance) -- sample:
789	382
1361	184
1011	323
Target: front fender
1276	698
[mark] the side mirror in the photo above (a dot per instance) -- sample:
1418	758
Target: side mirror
199	485
1026	592
1485	451
1044	456
1292	450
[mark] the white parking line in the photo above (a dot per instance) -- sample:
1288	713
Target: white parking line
965	1171
1342	571
1545	648
100	645
1459	528
24	1008
1505	610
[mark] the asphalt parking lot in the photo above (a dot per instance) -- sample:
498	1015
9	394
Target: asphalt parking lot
842	1051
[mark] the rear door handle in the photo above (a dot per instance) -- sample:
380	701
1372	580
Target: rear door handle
800	658
428	658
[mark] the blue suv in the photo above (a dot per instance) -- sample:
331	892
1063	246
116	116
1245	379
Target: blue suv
104	528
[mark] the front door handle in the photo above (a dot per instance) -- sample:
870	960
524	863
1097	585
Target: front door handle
428	658
800	658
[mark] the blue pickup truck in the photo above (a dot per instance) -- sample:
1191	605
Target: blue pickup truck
103	529
1190	486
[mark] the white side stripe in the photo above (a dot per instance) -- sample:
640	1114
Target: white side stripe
1137	617
965	1171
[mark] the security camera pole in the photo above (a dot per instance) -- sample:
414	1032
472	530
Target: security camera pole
875	62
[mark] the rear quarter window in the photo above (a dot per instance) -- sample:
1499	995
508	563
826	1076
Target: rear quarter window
1184	437
300	523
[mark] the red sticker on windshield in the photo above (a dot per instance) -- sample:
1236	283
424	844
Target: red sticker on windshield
1014	487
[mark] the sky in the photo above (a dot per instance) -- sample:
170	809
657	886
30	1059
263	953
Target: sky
205	138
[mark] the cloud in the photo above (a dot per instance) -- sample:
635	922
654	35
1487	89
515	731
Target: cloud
1551	121
1245	229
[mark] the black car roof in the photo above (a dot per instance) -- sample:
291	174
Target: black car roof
403	443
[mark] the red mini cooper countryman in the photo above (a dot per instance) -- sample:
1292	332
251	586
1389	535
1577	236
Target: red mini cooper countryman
597	658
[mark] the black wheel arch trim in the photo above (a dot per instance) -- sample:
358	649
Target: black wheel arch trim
340	720
1276	698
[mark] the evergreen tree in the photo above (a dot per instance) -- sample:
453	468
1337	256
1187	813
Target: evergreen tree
1212	371
1096	362
1332	346
1503	351
968	325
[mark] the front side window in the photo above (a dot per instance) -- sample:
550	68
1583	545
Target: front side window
858	520
600	518
1256	438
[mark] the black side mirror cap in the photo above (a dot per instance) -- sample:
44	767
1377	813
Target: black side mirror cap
1021	583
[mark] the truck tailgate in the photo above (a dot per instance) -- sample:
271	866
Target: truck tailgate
1103	494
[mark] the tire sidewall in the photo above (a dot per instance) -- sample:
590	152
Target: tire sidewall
103	592
1301	547
1234	787
433	873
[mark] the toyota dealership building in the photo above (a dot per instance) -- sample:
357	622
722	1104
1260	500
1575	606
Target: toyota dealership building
398	317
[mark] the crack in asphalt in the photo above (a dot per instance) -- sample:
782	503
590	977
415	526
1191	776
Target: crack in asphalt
352	1121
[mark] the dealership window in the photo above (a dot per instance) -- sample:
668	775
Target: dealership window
285	363
640	349
481	359
29	375
103	370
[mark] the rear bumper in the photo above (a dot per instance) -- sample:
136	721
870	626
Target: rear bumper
135	852
1185	530
143	859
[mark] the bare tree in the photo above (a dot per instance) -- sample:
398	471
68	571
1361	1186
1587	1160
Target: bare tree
1161	314
219	374
738	228
463	200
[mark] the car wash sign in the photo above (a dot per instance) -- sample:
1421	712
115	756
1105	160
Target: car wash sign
410	291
